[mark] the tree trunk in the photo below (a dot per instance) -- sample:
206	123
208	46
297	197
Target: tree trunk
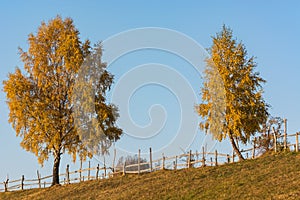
55	180
235	148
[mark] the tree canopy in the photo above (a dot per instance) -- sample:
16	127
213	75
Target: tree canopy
232	103
41	100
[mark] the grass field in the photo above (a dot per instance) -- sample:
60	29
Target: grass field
268	177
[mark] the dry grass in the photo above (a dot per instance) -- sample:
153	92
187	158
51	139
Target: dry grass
269	177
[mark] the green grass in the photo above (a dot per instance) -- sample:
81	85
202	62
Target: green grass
268	177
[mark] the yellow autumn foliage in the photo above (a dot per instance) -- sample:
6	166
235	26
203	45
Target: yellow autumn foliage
40	99
232	103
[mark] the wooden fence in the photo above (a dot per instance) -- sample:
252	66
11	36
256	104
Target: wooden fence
68	177
188	160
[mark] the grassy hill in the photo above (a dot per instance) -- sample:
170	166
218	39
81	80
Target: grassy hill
268	177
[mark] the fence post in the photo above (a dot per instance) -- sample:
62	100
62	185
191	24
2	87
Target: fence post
233	156
39	178
216	158
275	139
174	168
22	182
285	134
97	172
80	169
297	142
104	170
211	161
175	163
124	168
189	159
44	184
114	160
163	162
253	150
151	167
228	159
203	157
67	175
89	170
139	162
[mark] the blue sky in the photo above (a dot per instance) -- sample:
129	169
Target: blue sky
269	29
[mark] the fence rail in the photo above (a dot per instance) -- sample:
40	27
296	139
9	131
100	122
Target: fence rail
187	160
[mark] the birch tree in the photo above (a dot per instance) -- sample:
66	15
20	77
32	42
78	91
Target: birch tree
232	103
40	99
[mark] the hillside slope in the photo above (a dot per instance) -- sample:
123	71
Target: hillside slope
268	177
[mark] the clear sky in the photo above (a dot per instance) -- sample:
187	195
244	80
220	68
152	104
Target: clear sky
269	29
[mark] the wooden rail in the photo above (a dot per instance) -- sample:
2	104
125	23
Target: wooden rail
188	160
